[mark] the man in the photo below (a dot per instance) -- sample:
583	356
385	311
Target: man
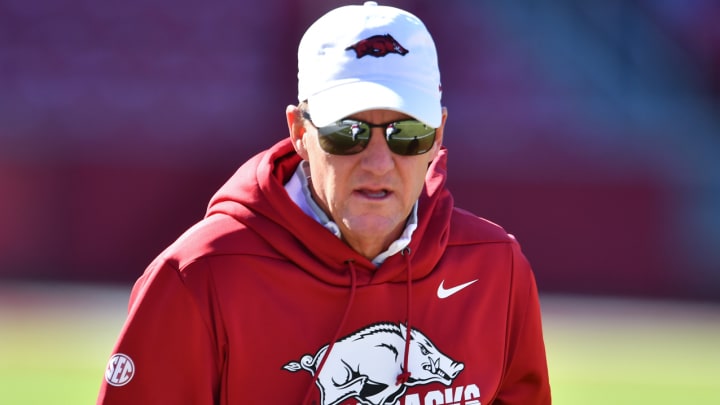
333	268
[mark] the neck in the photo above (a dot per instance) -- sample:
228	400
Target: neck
370	246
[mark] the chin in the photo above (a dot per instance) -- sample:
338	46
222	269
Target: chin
374	226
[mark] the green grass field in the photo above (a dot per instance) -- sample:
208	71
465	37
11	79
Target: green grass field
55	340
616	352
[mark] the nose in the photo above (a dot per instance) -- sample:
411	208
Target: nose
377	156
455	369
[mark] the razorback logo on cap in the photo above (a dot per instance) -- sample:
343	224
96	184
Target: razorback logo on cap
377	46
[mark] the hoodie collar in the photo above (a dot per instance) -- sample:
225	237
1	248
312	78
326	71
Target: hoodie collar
298	190
256	197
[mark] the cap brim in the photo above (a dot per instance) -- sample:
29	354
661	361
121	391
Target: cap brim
350	98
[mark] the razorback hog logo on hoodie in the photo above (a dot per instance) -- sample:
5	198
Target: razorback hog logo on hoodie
365	365
377	46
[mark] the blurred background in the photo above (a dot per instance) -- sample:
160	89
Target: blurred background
588	129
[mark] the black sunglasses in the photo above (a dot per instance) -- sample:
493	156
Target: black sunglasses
348	137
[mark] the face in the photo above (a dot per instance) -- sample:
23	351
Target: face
369	194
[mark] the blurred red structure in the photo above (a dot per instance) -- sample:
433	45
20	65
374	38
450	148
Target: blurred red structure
590	132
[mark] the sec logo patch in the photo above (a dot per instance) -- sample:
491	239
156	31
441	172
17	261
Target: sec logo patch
120	370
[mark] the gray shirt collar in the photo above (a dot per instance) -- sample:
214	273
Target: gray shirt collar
299	191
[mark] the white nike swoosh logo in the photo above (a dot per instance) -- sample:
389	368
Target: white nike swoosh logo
443	292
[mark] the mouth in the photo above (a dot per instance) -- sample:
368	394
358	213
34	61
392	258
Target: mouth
433	368
373	194
436	372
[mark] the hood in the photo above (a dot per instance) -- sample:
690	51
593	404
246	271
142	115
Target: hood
255	196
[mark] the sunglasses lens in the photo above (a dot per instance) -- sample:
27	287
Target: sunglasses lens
348	137
410	137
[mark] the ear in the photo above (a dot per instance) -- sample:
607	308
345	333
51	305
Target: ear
296	127
439	132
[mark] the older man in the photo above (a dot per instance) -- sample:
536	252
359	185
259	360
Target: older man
333	268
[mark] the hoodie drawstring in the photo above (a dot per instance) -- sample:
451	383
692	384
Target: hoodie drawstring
404	376
353	287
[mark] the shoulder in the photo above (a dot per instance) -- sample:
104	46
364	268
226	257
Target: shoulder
467	228
214	236
473	238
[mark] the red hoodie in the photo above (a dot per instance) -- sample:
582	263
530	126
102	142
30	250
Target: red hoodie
260	304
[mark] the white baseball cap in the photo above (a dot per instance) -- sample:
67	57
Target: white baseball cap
357	58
